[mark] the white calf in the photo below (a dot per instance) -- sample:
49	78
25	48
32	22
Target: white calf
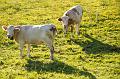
32	34
71	17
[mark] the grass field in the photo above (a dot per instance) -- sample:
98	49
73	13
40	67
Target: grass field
94	54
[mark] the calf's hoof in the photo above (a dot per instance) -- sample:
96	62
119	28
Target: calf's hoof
78	33
29	56
21	57
51	58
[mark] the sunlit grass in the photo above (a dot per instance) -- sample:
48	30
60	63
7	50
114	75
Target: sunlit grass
95	54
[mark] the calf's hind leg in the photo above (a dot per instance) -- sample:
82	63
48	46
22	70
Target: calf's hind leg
51	47
51	52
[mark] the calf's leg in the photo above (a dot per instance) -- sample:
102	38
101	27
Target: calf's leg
28	50
72	31
65	29
78	25
21	50
51	52
77	29
49	43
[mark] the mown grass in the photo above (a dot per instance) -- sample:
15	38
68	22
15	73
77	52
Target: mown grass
95	54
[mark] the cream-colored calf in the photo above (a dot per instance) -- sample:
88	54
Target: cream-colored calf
72	17
32	34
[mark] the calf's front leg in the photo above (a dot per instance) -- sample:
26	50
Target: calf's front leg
77	29
28	51
65	29
21	50
72	31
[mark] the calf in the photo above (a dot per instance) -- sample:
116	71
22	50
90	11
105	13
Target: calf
33	34
71	17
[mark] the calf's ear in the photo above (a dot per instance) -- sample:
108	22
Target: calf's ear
4	28
17	29
59	19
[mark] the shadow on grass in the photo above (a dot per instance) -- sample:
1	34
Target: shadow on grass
55	66
96	46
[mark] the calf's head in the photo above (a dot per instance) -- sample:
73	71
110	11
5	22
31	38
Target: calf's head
10	31
65	22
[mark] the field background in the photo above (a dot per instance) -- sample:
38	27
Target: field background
95	54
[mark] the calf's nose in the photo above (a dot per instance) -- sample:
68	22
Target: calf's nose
8	36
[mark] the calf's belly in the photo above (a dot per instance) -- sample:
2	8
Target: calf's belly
34	41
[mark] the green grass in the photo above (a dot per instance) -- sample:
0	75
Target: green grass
95	54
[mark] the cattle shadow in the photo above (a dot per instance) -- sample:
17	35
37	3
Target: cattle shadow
95	46
55	66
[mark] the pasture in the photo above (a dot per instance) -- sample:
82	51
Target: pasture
94	54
